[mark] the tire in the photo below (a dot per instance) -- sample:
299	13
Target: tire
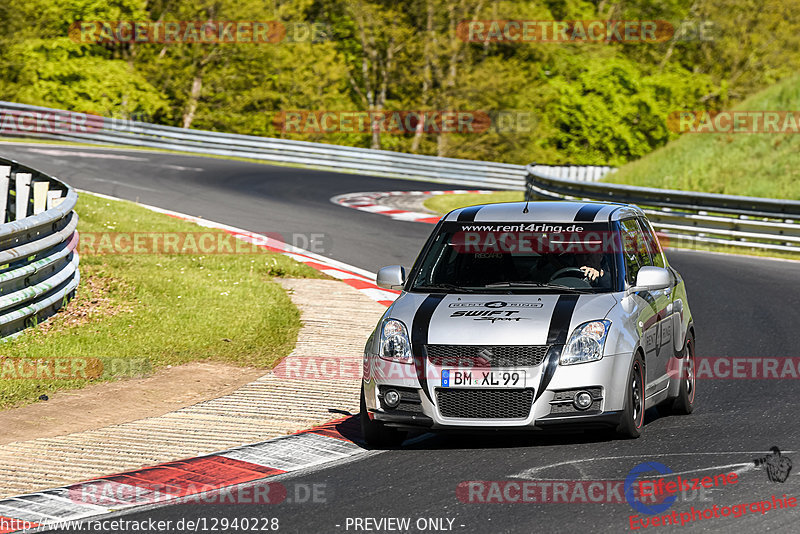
632	423
376	434
684	402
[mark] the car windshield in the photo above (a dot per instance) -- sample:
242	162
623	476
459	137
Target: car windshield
518	257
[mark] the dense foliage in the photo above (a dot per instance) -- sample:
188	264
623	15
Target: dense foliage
591	103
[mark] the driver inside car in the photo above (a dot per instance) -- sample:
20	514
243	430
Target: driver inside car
589	264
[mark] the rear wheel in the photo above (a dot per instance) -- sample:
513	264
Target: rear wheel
376	434
633	414
684	402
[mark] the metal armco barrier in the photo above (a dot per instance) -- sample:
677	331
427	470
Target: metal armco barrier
20	120
38	261
764	223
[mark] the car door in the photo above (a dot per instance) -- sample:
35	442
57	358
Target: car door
650	306
671	317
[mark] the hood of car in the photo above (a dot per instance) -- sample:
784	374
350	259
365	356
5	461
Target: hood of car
480	319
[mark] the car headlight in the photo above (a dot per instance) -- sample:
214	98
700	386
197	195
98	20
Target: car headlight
395	345
586	343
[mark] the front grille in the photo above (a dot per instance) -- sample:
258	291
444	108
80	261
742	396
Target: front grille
486	355
485	403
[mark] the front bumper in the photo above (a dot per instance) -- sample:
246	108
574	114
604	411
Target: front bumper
575	422
604	379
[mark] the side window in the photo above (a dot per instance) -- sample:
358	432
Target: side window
633	250
652	244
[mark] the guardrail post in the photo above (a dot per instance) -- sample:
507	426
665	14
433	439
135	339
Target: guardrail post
5	172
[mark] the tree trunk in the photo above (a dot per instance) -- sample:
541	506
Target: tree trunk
426	78
191	106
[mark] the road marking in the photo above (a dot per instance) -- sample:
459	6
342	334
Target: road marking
182	168
122	184
533	471
76	154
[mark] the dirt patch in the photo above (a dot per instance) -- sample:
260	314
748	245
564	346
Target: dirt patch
118	402
92	303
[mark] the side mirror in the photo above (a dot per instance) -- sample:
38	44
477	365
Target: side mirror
392	277
652	278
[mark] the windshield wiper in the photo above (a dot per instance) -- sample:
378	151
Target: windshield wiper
538	284
452	287
510	284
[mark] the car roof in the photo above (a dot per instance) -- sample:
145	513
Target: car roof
545	211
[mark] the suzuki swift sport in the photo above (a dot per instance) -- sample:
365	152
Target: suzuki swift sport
524	317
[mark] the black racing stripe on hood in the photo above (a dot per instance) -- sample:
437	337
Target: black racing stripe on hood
557	337
419	337
588	212
468	214
559	321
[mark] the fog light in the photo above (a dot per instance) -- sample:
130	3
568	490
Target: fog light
391	398
583	400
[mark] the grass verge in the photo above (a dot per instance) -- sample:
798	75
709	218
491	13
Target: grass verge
136	313
447	203
758	164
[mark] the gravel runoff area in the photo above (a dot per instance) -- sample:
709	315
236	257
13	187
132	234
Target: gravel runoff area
337	319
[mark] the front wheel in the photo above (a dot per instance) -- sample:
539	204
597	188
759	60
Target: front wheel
633	414
376	434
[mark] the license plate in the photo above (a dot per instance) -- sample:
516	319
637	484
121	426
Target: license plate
459	378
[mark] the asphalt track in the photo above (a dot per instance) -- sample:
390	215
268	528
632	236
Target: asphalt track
743	307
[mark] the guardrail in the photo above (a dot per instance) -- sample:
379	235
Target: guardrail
21	120
24	121
751	222
38	261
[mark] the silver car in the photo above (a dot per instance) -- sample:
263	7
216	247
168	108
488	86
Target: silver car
525	317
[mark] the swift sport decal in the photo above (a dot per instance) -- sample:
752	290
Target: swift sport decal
483	313
494	319
496	310
495	304
490	315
